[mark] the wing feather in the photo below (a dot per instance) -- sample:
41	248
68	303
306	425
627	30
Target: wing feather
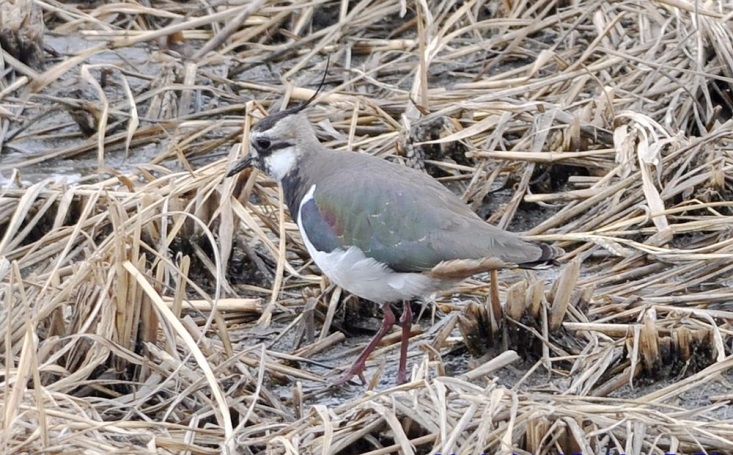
404	219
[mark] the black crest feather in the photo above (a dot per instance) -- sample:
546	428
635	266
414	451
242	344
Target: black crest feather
270	121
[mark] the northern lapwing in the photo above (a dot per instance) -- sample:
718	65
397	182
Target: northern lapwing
384	232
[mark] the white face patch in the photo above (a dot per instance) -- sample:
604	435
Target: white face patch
281	162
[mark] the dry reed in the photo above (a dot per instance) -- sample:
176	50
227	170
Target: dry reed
127	323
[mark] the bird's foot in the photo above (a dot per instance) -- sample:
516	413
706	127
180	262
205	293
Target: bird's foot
401	377
355	370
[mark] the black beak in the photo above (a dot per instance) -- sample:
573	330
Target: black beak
242	165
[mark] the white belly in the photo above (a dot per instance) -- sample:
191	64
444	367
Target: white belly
369	279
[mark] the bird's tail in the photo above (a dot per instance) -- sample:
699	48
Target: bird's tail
548	258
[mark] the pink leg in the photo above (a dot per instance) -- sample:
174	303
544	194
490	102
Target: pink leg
406	323
360	363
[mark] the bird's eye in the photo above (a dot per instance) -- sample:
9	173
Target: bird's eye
263	144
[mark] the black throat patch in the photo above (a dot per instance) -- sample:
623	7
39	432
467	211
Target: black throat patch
294	189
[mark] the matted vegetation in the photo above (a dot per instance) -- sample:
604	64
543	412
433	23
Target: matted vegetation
153	306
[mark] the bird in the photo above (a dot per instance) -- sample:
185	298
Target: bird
383	232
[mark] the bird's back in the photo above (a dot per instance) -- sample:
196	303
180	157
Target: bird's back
399	216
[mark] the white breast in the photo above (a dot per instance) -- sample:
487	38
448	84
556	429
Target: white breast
364	276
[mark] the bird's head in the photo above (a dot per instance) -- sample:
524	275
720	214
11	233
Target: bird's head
278	141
